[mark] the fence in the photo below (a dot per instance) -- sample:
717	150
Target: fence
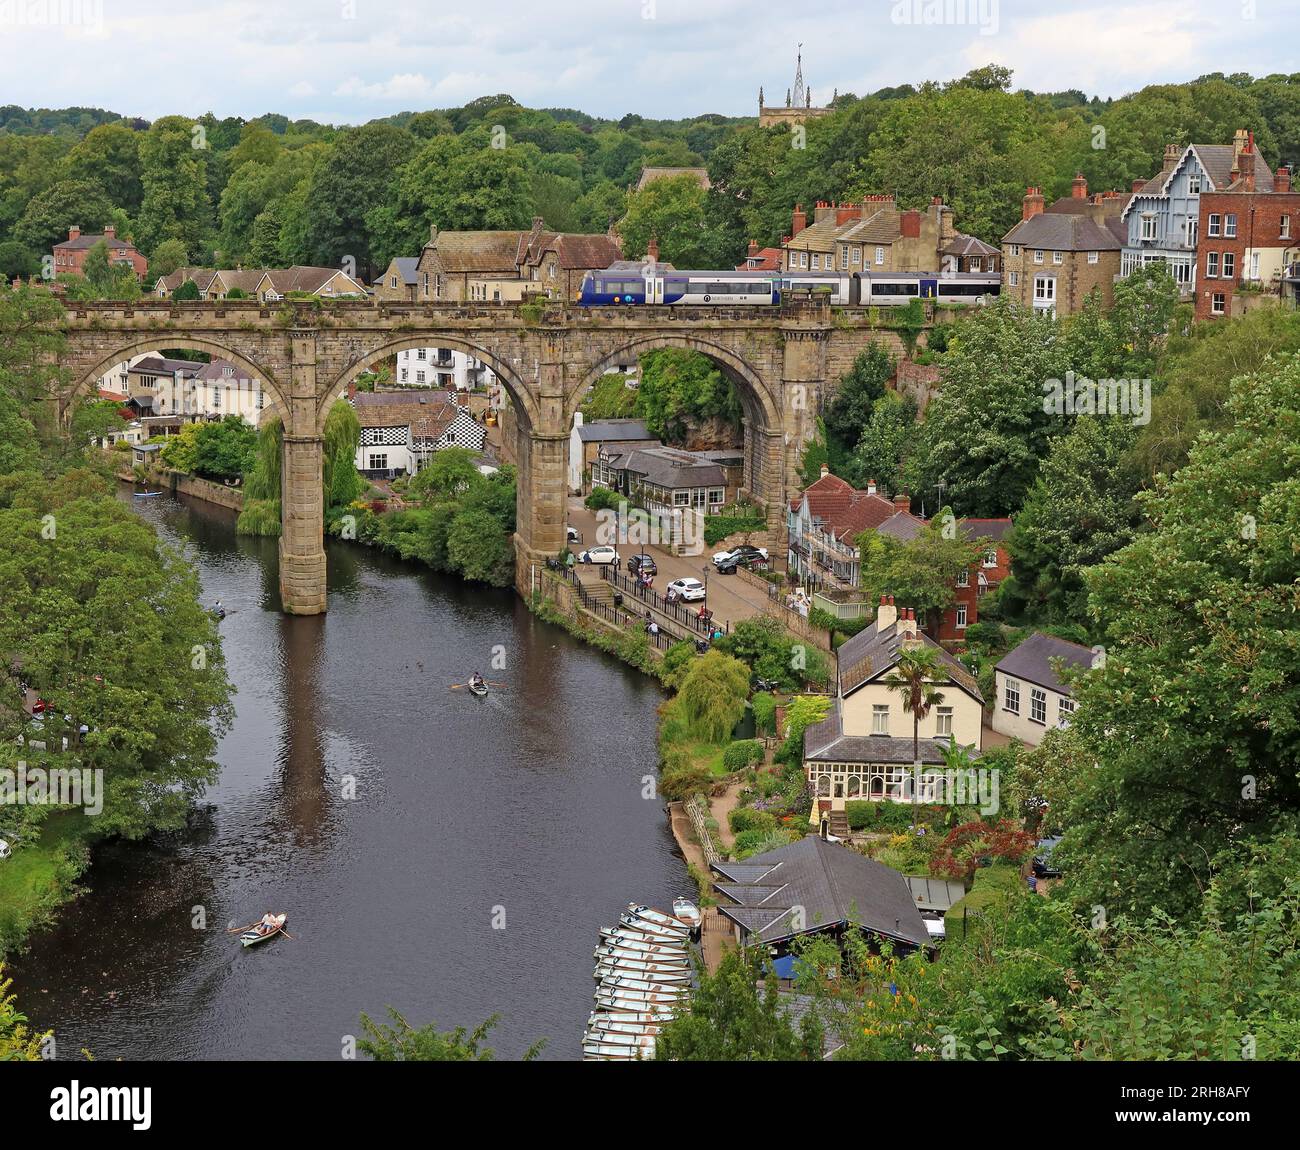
676	611
661	639
698	815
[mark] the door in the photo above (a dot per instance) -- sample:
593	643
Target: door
654	289
929	288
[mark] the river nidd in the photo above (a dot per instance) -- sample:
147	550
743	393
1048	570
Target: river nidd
447	855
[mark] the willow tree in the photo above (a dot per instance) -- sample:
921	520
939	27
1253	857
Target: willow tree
343	483
261	513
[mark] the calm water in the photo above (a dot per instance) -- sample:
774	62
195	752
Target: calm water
528	800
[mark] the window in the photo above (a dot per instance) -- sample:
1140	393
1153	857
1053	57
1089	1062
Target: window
1229	265
963	579
1193	230
716	496
844	255
1230	226
1148	226
1011	696
880	256
1058	258
961	615
1015	250
1194	183
1212	224
880	719
991	558
1093	257
1013	279
422	353
943	721
1254	265
1284	227
392	282
817	262
1064	709
1037	705
405	373
261	400
1182	271
419	377
681	498
1211	265
379	462
857	256
976	264
1217	303
1044	291
1038	255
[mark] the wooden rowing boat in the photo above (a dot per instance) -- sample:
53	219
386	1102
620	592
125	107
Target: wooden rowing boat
658	918
479	689
644	953
260	933
633	922
658	977
686	911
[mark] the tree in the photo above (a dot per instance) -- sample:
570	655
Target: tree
402	1042
711	699
849	412
884	452
17	260
450	473
480	550
731	1020
174	176
108	156
1186	739
339	472
17	1042
225	449
921	571
672	210
188	290
1079	510
168	256
681	390
987	429
62	205
913	678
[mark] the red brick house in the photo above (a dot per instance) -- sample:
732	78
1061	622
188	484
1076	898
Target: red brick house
993	566
1249	242
70	255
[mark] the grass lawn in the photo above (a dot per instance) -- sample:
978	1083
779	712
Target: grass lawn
708	756
39	876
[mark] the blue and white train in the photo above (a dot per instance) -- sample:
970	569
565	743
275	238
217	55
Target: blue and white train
623	286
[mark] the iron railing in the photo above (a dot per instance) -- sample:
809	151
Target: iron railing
678	611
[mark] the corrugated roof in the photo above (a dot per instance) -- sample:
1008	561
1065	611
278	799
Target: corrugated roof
1032	660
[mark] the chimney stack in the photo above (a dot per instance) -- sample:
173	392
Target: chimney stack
352	389
1282	180
1240	142
1079	187
902	501
652	250
798	220
74	232
753	248
110	232
1033	203
909	225
871	487
1172	152
1138	185
825	471
886	613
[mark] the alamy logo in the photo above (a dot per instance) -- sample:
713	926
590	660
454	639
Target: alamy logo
77	1103
36	787
1079	395
981	14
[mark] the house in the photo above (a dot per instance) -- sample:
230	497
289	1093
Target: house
265	284
1058	254
400	281
983	577
823	524
220	390
184	391
586	440
816	887
449	260
442	367
1248	243
874	235
554	263
1163	217
158	385
401	431
760	259
1031	697
668	479
863	748
70	255
963	253
798	104
649	175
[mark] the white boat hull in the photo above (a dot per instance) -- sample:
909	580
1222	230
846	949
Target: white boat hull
656	976
658	917
655	957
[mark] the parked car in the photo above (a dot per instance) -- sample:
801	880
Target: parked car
1042	864
744	553
688	589
602	554
727	566
642	565
571	535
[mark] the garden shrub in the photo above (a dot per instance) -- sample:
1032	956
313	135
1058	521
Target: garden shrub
741	753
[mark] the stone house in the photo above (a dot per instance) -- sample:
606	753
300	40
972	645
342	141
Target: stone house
1031	696
400	280
70	254
1057	255
863	748
668	479
587	439
400	431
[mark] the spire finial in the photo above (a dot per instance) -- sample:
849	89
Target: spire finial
798	95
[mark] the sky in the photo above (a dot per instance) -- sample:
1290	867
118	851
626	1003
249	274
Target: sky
349	61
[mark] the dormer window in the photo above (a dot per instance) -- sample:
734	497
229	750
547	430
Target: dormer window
1148	225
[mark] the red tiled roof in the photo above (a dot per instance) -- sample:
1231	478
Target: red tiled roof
841	508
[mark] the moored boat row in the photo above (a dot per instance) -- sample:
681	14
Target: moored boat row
643	973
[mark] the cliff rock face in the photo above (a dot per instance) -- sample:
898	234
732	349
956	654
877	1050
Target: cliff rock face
712	434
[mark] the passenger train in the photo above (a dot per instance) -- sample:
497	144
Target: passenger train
629	286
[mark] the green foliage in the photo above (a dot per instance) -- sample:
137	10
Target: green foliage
186	292
399	1041
920	572
17	1042
673	210
681	389
711	699
848	412
742	754
763	705
342	435
743	819
225	449
610	398
771	652
719	527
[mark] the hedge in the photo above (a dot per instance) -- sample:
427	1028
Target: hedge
994	886
744	819
741	753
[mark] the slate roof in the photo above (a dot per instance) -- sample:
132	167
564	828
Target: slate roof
1064	232
671	467
825	742
1216	160
158	365
81	243
405	267
871	653
840	509
964	245
427	415
833	886
903	525
614	430
1032	660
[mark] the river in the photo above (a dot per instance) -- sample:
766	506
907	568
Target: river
487	841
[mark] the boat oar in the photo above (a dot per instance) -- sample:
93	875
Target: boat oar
237	929
287	934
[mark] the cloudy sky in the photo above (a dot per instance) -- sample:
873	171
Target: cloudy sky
348	61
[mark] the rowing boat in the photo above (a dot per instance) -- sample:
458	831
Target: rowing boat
632	922
634	980
632	1038
658	977
627	1017
634	1005
645	953
645	1048
638	934
261	933
477	688
658	918
686	911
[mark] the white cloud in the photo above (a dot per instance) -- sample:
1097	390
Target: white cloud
302	89
403	86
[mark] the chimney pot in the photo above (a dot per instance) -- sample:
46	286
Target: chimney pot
74	232
1282	180
825	471
886	613
798	220
871	487
902	501
1079	187
1033	204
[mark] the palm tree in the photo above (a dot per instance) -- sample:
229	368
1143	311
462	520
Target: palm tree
914	677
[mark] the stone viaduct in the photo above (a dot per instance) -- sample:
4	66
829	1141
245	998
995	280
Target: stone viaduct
546	356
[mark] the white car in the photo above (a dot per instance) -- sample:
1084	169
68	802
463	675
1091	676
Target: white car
571	535
687	589
744	551
602	554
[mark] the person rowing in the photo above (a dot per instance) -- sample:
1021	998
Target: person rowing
476	681
269	923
